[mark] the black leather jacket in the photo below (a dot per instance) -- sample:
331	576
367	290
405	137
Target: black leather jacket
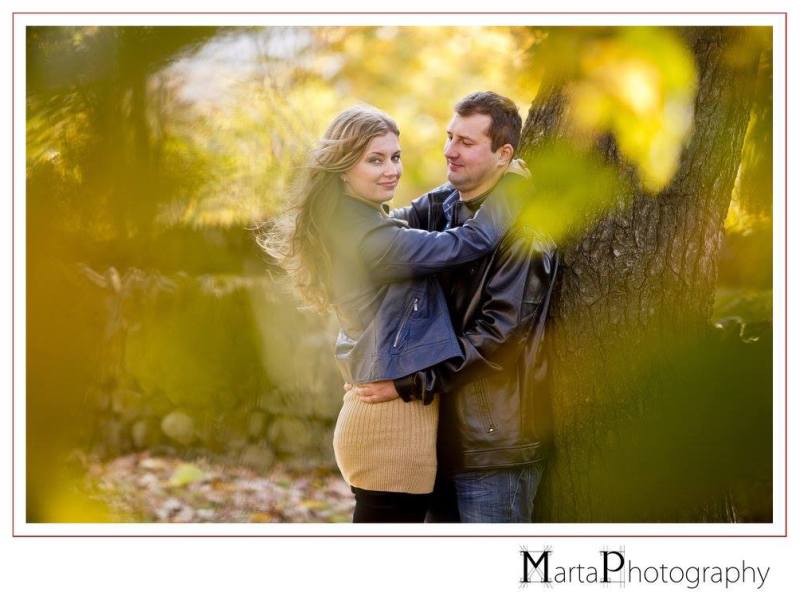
495	399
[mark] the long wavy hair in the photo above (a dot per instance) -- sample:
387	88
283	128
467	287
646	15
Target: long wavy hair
295	240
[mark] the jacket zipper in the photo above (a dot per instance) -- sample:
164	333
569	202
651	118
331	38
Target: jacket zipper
413	308
485	405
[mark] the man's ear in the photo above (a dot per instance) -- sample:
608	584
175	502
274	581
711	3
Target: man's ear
504	155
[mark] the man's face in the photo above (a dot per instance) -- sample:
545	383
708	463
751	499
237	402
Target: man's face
468	150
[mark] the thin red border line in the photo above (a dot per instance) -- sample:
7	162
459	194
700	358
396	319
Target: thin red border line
13	279
304	13
785	292
786	273
390	535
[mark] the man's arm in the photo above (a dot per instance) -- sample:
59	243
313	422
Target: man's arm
417	214
394	252
514	299
407	214
411	214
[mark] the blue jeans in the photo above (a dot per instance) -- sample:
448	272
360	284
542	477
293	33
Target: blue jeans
486	496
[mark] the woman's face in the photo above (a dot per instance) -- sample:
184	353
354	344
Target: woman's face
376	174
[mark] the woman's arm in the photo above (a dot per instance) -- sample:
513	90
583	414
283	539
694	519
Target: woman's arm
514	301
394	252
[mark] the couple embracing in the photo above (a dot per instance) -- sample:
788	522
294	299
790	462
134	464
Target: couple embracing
442	308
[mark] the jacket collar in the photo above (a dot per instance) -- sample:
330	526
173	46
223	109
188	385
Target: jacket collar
448	206
452	202
381	208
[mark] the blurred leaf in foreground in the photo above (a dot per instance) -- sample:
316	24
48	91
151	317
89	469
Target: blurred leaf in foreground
185	474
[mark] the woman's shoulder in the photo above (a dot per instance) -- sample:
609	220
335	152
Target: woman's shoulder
361	210
353	220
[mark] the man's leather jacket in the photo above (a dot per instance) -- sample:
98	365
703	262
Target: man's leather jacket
495	398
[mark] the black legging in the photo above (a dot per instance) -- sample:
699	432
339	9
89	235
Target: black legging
389	507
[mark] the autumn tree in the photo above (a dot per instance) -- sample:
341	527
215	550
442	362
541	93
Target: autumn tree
656	416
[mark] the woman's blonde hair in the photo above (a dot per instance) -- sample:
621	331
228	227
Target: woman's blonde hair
296	239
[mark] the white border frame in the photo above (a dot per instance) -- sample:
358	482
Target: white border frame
776	529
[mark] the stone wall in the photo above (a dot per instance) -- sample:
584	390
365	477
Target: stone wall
223	363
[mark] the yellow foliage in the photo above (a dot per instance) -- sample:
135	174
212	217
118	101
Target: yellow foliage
639	83
254	138
740	220
233	149
66	502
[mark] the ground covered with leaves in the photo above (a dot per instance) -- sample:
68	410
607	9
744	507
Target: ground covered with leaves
145	488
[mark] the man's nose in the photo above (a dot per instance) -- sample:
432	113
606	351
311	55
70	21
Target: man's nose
449	151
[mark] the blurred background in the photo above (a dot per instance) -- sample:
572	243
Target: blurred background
171	375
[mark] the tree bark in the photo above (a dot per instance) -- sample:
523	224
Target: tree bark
635	289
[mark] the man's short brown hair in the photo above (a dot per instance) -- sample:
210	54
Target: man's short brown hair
506	122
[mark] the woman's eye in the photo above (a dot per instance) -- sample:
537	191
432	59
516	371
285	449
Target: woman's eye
396	159
375	161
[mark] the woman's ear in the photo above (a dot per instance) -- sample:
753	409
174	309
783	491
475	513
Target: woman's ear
345	183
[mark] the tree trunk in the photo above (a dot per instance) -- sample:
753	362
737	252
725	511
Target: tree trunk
635	296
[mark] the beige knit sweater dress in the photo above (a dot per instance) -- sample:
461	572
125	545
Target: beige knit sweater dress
387	446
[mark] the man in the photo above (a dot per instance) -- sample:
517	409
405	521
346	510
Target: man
491	436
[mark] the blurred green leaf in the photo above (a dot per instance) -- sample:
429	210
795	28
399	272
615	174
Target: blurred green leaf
572	187
184	474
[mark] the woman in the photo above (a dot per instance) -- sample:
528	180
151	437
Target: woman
345	253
